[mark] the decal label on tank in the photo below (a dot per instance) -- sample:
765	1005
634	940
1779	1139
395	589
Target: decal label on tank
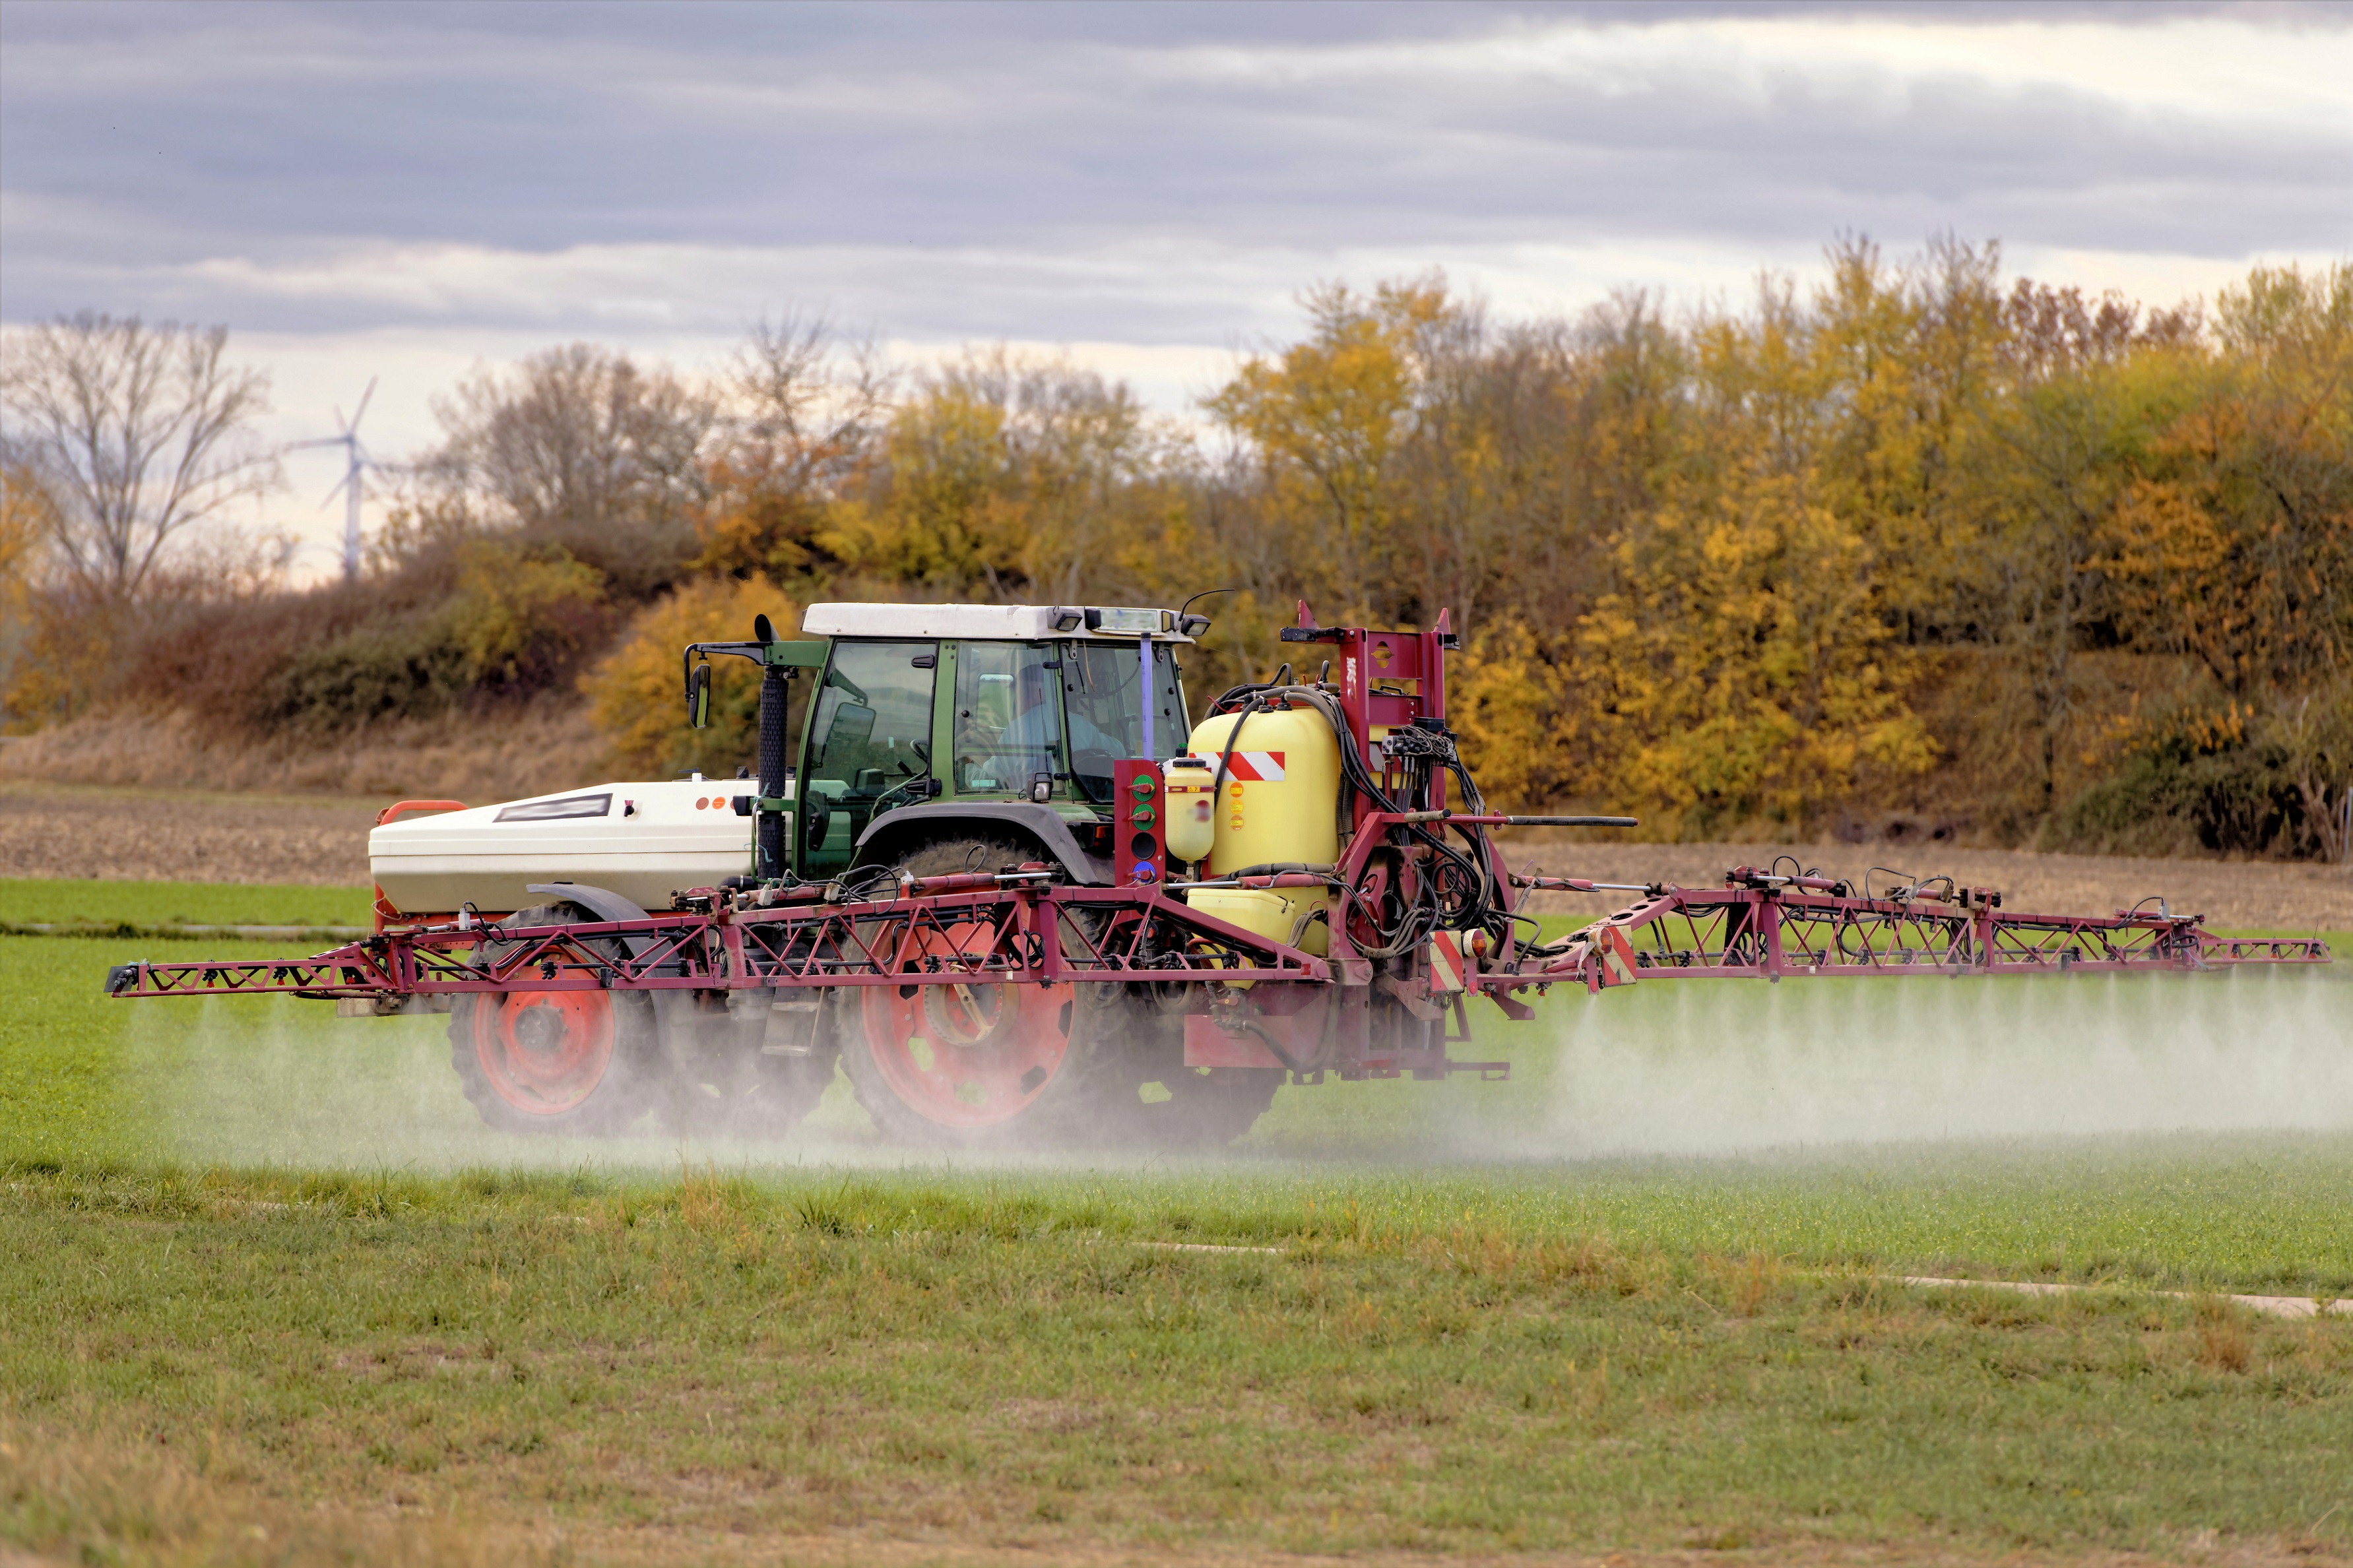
1253	767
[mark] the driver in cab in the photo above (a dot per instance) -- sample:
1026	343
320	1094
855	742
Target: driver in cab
1032	743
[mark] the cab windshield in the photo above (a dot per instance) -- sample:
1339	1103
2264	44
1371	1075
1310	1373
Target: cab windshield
1103	693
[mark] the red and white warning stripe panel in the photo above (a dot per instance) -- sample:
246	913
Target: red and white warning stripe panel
1250	767
1617	957
1445	962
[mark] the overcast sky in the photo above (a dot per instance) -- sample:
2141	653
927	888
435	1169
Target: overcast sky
402	190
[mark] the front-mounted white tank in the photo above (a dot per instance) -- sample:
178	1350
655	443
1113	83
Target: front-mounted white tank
644	841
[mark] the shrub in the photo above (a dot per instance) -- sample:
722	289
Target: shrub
516	620
411	669
636	690
2174	799
522	613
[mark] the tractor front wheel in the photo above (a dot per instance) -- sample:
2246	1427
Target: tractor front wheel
1199	1108
722	1080
548	1061
1143	1093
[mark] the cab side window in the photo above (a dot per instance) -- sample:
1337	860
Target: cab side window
873	726
1009	718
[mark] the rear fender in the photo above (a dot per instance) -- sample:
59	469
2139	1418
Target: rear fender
894	832
603	905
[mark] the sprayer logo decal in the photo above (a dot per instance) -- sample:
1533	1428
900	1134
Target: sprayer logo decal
1253	767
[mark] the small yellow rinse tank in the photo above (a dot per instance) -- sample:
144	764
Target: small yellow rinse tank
1279	803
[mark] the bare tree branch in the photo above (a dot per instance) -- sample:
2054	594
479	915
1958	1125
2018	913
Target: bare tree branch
808	403
576	437
137	432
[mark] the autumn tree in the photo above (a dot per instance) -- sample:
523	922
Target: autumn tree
584	447
28	685
2232	544
636	695
1322	421
1003	477
803	411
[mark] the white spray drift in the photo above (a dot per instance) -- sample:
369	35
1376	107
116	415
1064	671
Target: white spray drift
1705	1066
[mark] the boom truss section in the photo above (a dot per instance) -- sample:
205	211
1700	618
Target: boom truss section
1766	927
948	930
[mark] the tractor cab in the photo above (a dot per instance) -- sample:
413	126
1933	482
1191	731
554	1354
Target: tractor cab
929	722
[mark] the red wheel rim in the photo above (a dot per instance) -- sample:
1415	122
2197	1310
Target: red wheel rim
967	1055
544	1052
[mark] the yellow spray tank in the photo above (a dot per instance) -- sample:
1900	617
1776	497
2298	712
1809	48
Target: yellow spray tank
1279	806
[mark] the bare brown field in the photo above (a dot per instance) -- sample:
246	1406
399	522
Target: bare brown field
88	831
123	832
121	797
498	756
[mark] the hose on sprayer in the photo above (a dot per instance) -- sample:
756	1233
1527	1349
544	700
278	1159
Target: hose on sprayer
1475	911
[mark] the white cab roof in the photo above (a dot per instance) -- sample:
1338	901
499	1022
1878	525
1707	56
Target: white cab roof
1022	622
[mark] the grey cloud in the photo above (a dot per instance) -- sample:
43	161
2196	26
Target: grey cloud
135	140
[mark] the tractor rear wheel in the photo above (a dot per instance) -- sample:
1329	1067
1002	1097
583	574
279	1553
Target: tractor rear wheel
972	1064
553	1061
979	1065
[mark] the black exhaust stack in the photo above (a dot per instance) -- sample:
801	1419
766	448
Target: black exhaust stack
775	686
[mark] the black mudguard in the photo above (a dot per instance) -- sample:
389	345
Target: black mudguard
892	834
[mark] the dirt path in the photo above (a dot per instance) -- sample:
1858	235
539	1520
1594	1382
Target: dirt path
143	835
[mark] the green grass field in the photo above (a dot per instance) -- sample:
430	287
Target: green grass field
147	904
274	1296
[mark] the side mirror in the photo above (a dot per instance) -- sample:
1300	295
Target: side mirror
698	697
763	630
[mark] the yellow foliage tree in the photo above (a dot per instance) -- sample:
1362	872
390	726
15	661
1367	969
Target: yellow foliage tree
1326	417
1739	674
520	610
27	687
57	636
1504	696
951	518
637	693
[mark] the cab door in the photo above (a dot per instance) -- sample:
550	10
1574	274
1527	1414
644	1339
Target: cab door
1006	735
868	749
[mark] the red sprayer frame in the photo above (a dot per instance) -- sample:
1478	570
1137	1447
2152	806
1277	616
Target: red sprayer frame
1368	1007
1020	927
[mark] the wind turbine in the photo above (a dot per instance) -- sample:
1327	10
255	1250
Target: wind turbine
357	462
